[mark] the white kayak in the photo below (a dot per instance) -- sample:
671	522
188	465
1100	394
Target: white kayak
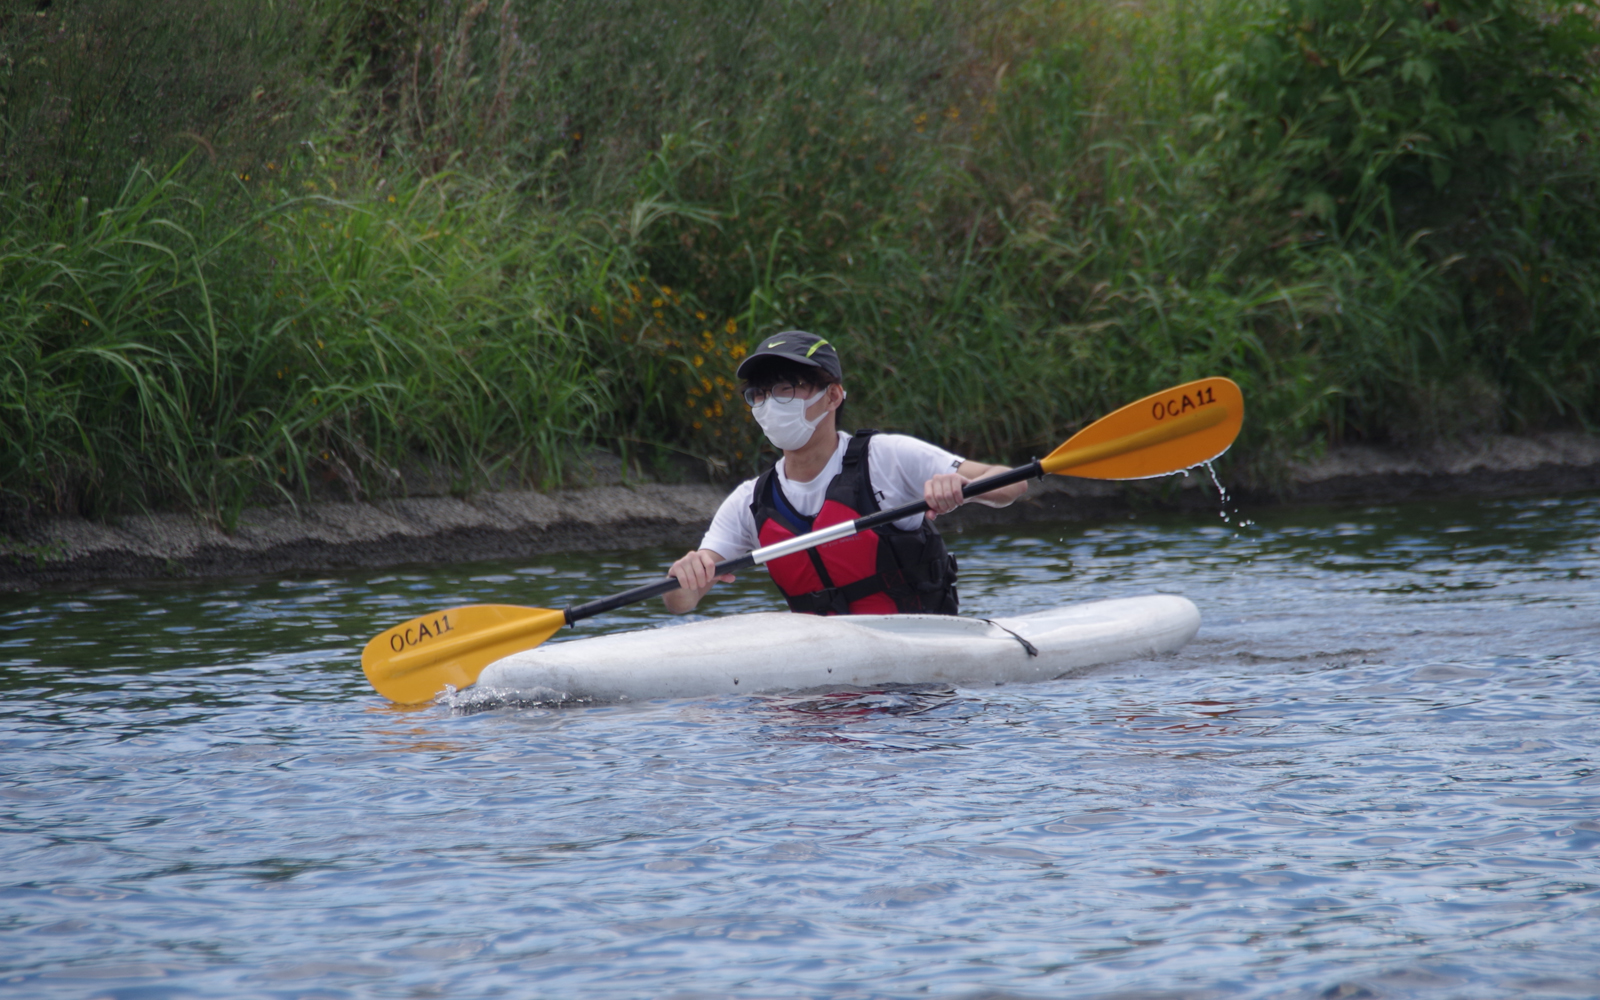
770	652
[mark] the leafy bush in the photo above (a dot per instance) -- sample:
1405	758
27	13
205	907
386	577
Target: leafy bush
1341	108
89	89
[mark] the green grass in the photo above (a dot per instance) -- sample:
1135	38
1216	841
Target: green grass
479	238
156	355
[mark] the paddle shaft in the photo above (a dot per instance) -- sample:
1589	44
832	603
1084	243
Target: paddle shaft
844	529
1061	461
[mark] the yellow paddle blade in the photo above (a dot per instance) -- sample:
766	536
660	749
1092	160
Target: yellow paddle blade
414	661
1156	436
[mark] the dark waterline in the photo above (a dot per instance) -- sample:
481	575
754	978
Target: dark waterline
1372	774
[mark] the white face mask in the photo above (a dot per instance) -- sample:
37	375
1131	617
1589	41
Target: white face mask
785	424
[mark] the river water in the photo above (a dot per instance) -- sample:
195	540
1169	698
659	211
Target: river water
1372	774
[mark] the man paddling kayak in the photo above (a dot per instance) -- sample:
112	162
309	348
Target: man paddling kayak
793	383
1165	432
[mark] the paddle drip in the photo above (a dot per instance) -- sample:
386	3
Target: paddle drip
1223	498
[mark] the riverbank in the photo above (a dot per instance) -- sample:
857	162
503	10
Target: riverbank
618	514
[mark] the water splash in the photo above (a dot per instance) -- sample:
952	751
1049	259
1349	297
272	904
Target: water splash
476	699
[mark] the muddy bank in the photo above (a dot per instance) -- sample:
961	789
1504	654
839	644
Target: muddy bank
515	524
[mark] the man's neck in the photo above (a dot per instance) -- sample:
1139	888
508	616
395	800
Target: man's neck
805	463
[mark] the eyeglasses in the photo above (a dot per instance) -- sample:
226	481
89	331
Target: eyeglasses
783	392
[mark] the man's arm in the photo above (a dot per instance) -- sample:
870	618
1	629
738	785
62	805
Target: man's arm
943	492
732	530
695	576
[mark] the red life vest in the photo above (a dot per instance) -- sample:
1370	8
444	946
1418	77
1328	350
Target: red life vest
877	572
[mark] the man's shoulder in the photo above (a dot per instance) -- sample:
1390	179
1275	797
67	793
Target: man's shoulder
892	438
904	444
744	491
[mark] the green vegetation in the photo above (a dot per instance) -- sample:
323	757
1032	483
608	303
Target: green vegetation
253	248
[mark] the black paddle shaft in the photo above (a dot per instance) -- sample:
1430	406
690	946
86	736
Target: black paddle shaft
578	612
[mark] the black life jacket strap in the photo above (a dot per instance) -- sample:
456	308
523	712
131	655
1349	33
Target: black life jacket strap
855	453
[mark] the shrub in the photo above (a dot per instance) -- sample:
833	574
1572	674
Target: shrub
88	90
1337	109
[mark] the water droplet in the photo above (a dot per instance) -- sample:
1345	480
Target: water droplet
1222	497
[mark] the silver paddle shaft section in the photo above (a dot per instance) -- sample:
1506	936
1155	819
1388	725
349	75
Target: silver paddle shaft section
812	539
823	536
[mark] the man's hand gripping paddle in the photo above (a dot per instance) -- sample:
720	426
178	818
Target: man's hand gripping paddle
1156	436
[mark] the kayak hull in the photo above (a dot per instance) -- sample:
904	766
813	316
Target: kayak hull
771	652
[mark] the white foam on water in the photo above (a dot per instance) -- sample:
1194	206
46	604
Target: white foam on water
477	699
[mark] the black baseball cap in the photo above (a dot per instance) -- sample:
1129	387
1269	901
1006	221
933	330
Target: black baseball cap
793	345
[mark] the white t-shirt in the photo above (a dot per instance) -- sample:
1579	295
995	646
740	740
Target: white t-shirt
898	466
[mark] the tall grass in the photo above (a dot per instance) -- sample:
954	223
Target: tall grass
507	229
153	354
88	89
